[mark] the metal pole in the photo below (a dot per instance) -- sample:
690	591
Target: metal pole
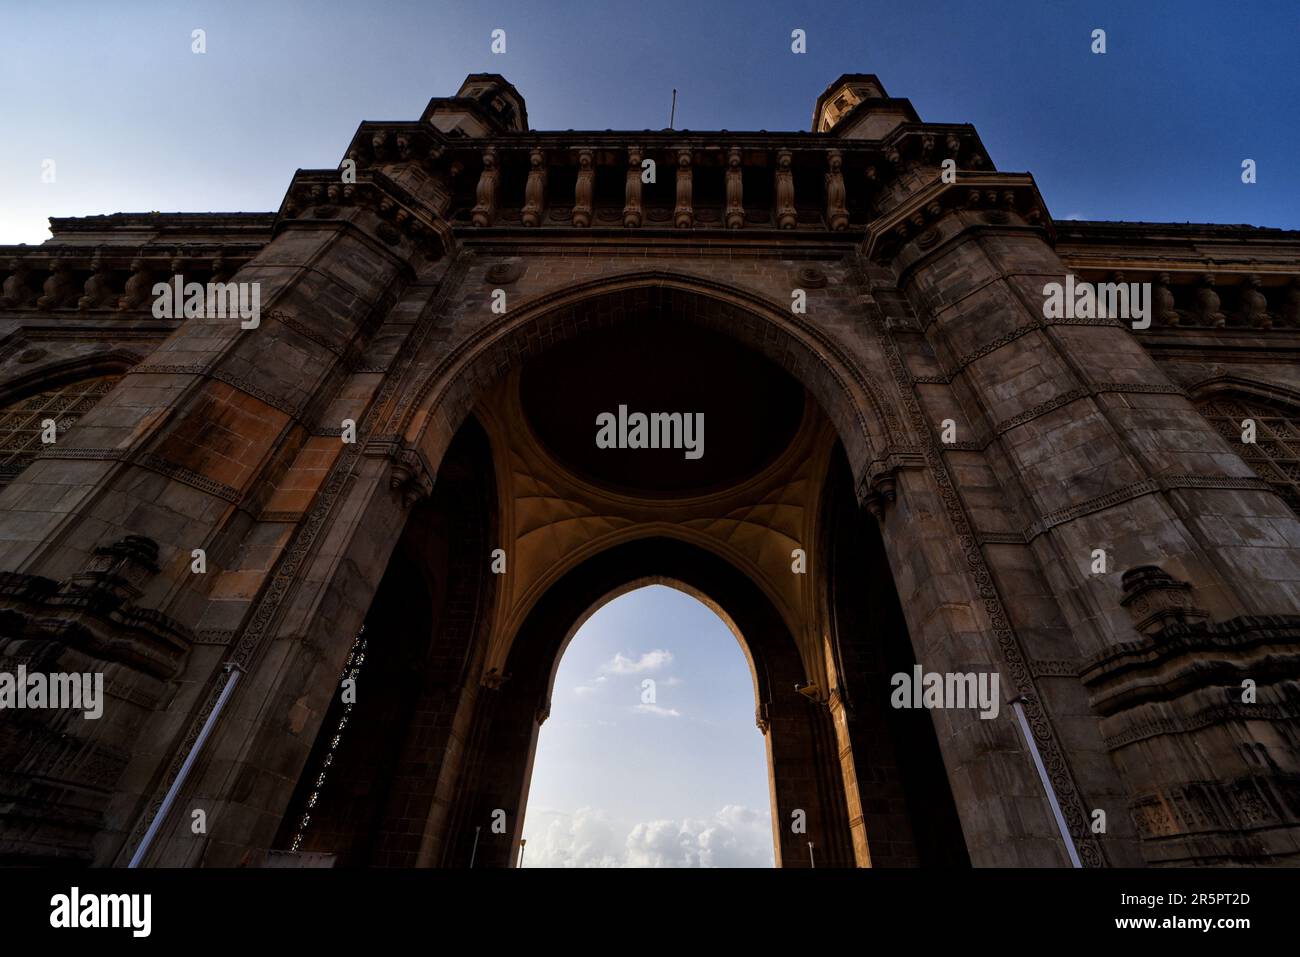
1047	785
473	850
673	115
812	861
522	842
232	675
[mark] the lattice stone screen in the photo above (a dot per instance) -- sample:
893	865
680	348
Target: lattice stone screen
20	422
1275	454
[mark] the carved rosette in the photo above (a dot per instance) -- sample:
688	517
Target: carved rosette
582	192
535	190
684	213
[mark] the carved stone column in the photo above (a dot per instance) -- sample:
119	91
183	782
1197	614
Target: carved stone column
786	218
837	214
583	190
684	214
632	192
735	214
486	193
535	191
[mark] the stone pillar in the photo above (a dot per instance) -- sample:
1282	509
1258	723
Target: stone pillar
786	218
535	189
837	215
1096	451
632	212
186	453
486	192
735	212
583	189
684	213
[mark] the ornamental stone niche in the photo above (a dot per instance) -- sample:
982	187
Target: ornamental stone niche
1159	686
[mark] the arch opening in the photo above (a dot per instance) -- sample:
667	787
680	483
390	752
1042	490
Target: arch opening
650	756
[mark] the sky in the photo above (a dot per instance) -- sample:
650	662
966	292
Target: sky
677	781
1155	129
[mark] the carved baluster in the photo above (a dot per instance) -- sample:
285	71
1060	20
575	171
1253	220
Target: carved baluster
1207	304
535	191
583	190
837	213
98	291
58	286
1162	302
632	193
486	193
15	293
735	215
1291	304
786	218
1254	307
138	288
684	213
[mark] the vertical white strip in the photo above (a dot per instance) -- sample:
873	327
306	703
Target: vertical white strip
154	825
1047	785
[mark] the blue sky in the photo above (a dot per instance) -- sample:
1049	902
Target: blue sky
1155	129
677	782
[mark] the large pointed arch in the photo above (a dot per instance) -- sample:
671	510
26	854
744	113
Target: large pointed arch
437	403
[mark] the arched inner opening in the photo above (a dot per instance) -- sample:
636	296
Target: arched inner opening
650	756
534	523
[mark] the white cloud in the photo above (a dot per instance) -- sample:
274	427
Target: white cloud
581	690
655	709
733	837
651	660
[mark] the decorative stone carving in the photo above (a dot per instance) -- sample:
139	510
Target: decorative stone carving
535	189
734	216
138	287
1155	599
1162	302
632	192
582	192
486	192
98	292
1254	307
1207	304
58	288
15	291
503	274
786	217
411	477
684	212
837	214
1290	313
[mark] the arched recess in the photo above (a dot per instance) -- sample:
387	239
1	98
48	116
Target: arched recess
64	392
1227	402
804	773
865	419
